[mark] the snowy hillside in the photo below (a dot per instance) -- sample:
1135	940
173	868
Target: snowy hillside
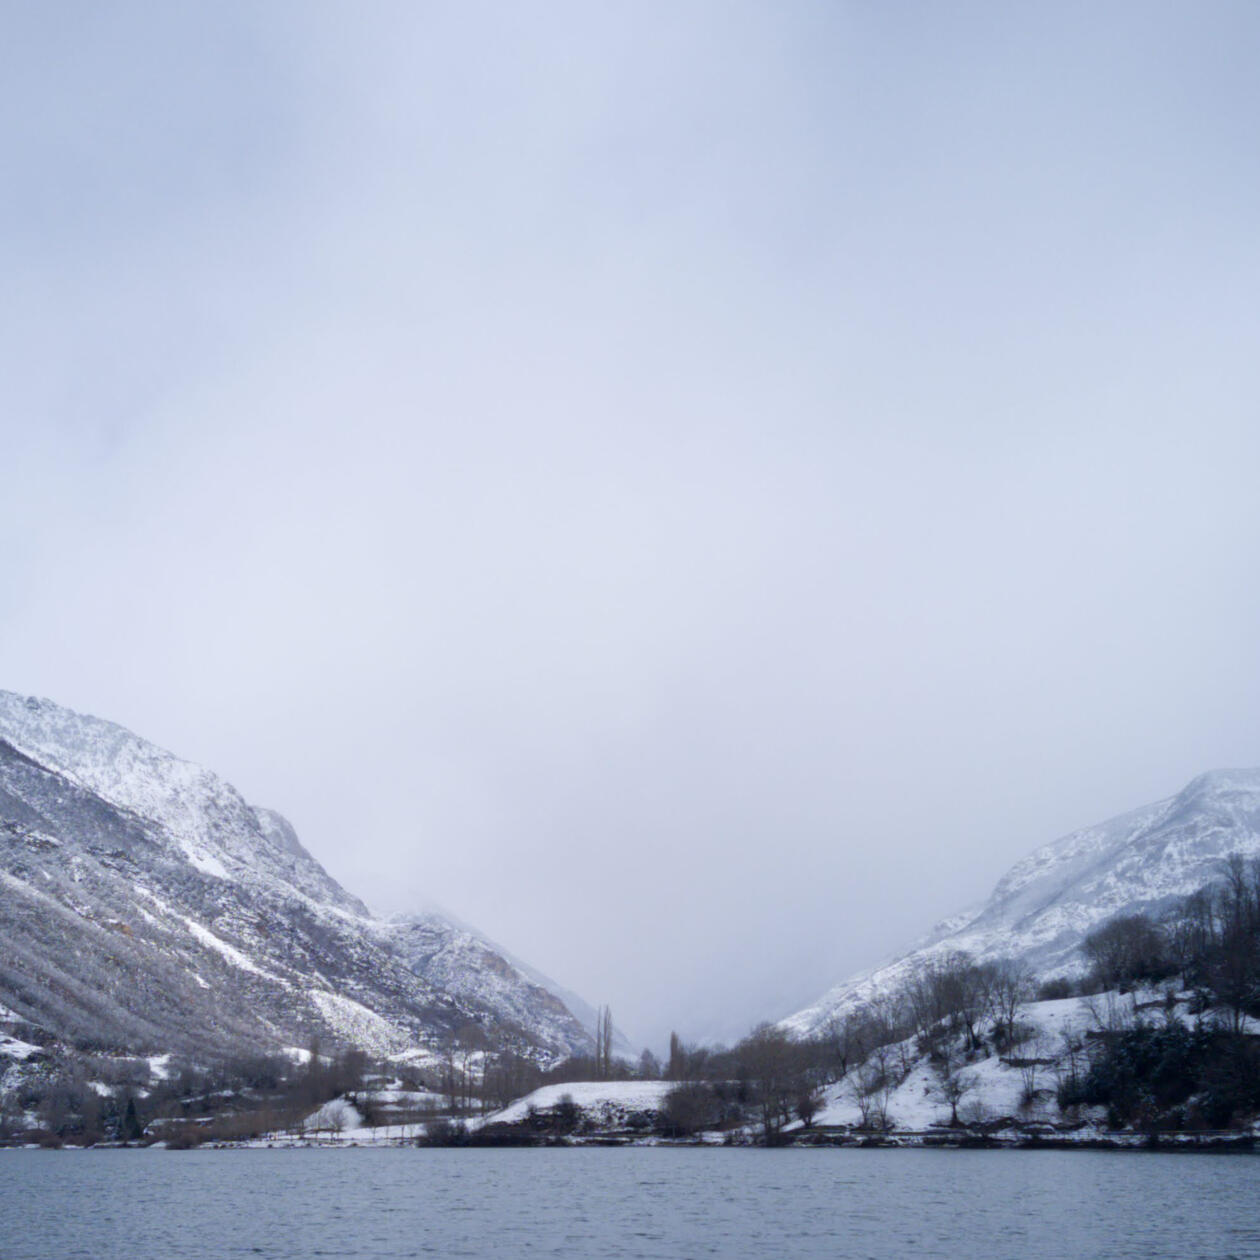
146	907
461	962
1046	904
905	1087
460	959
604	1104
992	1086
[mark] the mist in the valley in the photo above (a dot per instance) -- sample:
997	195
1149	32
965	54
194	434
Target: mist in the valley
695	490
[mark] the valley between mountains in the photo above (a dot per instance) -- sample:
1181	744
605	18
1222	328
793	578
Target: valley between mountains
176	967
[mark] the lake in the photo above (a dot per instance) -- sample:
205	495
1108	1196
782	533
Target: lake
632	1202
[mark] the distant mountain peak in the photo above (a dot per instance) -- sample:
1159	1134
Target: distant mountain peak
1044	906
145	905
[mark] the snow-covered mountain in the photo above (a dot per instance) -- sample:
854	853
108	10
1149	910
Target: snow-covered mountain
462	963
1045	905
460	959
146	907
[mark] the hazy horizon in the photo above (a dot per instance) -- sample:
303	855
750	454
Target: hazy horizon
696	490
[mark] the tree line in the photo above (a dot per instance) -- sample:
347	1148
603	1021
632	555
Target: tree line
954	1009
951	1008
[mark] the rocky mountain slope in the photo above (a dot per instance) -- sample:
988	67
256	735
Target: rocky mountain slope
145	907
1043	908
464	964
455	955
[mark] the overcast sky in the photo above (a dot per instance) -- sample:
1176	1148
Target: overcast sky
697	490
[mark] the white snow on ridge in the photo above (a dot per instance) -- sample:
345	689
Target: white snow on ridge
357	1024
112	763
460	961
1047	903
208	864
230	952
174	858
196	812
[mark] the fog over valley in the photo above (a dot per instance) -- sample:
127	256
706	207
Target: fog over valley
696	493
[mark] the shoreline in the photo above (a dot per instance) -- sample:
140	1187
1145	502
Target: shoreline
1236	1142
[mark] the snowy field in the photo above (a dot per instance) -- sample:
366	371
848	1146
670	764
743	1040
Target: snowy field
608	1103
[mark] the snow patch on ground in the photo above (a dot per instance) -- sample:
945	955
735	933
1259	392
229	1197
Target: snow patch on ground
337	1116
601	1101
355	1023
207	863
12	1048
997	1084
415	1099
416	1057
230	952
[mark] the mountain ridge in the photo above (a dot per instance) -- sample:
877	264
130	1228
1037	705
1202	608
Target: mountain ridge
1041	909
146	906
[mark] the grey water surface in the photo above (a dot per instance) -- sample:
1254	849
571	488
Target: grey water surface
632	1202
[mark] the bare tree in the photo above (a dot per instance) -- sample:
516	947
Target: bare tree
808	1104
603	1043
1070	1060
1231	965
468	1057
955	1086
676	1069
871	1089
1035	1057
687	1108
1109	1012
860	1090
844	1040
336	1118
508	1076
1010	988
649	1066
448	1064
768	1059
1125	950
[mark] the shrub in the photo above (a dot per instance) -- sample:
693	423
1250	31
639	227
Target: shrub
444	1132
185	1137
1054	989
689	1107
1148	1076
566	1115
